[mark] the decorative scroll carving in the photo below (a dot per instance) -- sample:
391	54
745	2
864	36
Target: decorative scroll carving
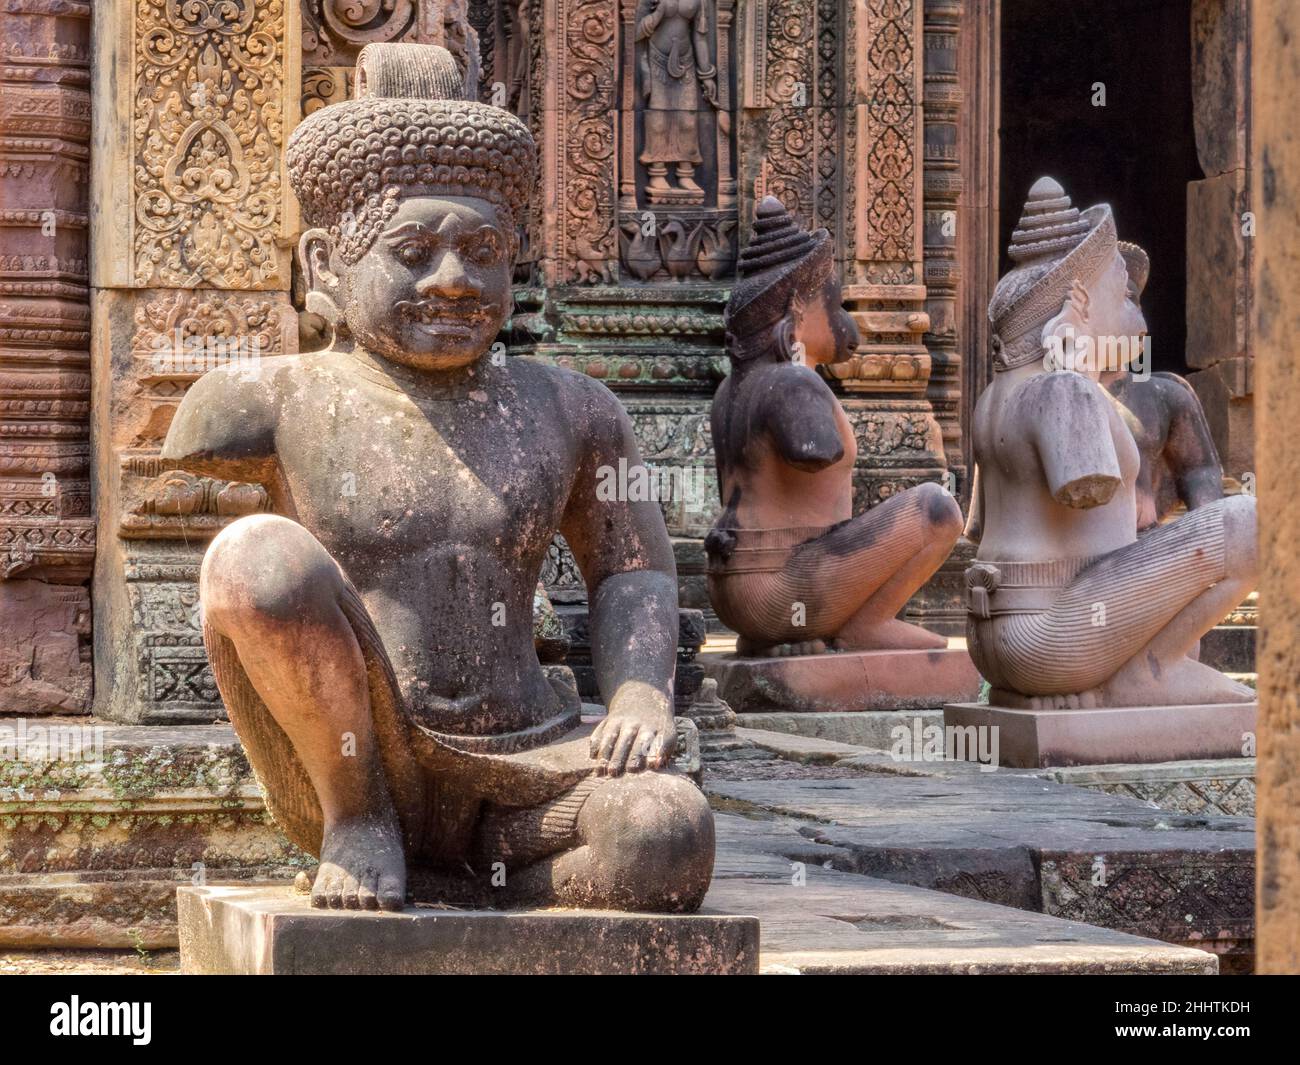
208	131
585	248
786	74
334	31
888	178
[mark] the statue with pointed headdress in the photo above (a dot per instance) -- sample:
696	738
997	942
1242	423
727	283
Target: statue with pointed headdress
373	639
791	568
1068	608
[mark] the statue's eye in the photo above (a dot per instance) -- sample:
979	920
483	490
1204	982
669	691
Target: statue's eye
413	253
484	251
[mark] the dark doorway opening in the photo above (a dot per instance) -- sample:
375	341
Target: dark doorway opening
1136	153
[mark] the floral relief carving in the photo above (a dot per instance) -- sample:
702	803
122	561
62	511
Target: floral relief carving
207	136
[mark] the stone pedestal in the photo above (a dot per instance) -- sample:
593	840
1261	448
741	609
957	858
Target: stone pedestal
273	930
838	682
1037	739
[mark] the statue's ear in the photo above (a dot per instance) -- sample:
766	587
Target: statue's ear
315	250
788	344
1061	333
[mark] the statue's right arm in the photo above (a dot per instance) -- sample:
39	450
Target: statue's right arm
1069	424
801	419
225	427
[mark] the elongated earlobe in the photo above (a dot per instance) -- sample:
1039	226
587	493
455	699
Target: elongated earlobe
323	294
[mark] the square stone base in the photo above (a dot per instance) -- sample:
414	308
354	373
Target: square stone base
844	681
1037	739
273	930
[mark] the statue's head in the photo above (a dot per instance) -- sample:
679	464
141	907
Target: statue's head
1071	289
413	195
786	303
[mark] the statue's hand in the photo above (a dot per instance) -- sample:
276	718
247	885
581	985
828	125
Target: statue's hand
710	86
638	732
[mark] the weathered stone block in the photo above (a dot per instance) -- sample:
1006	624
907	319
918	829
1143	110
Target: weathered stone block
43	669
1224	786
275	931
840	682
1042	738
1218	297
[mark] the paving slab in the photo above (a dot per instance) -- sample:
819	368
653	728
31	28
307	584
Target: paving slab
815	920
1022	841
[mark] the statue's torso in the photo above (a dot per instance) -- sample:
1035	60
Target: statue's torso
1021	520
769	492
1145	412
440	512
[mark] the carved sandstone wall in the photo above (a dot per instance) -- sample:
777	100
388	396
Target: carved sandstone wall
47	537
192	266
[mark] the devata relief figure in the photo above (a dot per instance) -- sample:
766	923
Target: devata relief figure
374	646
676	69
791	569
1067	606
1180	463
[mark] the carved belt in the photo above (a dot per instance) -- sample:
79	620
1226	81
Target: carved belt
764	550
997	588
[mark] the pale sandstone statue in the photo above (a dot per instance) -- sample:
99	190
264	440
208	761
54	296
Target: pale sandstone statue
676	71
791	569
1067	607
374	644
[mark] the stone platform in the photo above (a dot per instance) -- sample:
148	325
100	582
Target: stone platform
1038	739
1008	837
92	847
844	681
273	930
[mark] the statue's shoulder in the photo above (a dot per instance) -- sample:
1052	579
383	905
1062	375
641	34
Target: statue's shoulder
565	390
1175	389
1059	387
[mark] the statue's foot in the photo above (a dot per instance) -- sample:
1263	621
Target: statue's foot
1145	682
1087	700
889	635
362	866
751	649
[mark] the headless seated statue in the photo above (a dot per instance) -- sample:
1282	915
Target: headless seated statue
1179	462
791	569
1067	606
373	640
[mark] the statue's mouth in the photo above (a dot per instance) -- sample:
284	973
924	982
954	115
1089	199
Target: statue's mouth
439	316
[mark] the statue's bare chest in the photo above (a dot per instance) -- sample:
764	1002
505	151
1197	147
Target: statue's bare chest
370	468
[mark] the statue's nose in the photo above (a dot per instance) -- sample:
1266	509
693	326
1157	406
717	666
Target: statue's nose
448	278
854	336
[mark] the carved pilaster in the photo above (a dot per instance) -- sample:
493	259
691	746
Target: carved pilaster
192	266
943	187
580	244
47	537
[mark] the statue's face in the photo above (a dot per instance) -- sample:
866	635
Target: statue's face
434	289
1115	319
828	331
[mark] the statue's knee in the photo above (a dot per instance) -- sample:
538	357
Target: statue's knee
654	835
264	568
941	510
1240	534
